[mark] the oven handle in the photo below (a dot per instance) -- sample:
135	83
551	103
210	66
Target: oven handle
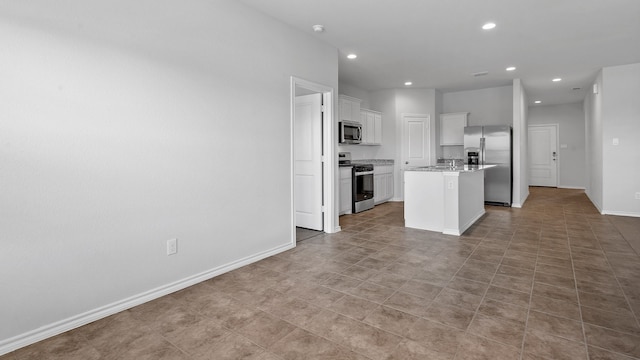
364	173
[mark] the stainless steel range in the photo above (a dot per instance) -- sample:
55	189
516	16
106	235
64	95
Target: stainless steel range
361	182
362	178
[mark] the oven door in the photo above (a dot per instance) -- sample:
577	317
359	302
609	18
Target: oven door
362	191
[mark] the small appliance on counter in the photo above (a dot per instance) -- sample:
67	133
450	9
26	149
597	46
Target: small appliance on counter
472	158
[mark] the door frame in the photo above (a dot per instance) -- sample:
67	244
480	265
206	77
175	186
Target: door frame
557	126
329	163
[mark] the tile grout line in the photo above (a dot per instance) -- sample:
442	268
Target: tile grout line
402	338
533	280
624	293
573	270
466	331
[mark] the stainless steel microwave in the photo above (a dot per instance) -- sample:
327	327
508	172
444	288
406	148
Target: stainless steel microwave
350	132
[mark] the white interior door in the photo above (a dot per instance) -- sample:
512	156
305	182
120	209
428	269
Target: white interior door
308	161
543	155
415	142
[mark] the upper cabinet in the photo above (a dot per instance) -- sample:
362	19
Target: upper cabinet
452	128
371	120
371	127
349	108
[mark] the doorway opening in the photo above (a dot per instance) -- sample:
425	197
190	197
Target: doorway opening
312	154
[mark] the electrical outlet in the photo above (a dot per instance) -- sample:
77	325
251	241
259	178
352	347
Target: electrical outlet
172	246
638	196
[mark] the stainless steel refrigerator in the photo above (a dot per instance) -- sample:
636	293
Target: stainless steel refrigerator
491	145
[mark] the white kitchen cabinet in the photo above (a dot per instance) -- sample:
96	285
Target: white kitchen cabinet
382	183
345	190
447	201
371	127
378	128
452	128
349	108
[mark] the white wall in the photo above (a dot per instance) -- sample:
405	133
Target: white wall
413	101
520	147
417	101
490	106
385	102
392	103
621	120
358	93
120	131
359	152
593	143
571	124
441	151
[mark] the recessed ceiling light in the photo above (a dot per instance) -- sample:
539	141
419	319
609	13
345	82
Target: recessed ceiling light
352	56
408	83
556	80
488	26
318	28
511	68
538	102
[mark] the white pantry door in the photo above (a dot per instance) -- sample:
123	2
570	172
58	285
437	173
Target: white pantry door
415	143
308	161
543	155
415	140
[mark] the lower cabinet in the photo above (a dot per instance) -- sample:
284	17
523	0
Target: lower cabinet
382	183
345	191
382	187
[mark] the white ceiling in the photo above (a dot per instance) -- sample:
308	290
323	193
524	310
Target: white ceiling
439	43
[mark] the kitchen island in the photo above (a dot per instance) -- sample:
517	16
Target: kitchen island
442	198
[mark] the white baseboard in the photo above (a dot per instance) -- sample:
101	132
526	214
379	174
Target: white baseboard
463	228
572	187
518	204
620	213
594	203
47	331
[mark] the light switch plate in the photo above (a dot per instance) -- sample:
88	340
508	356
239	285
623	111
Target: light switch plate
563	146
616	141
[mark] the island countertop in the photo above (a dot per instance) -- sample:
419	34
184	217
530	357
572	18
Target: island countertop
441	168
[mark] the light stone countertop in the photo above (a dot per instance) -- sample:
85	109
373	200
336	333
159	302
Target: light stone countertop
440	168
374	162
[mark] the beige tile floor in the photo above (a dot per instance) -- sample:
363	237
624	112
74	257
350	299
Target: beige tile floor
553	280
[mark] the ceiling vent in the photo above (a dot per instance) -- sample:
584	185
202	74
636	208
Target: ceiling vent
481	73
